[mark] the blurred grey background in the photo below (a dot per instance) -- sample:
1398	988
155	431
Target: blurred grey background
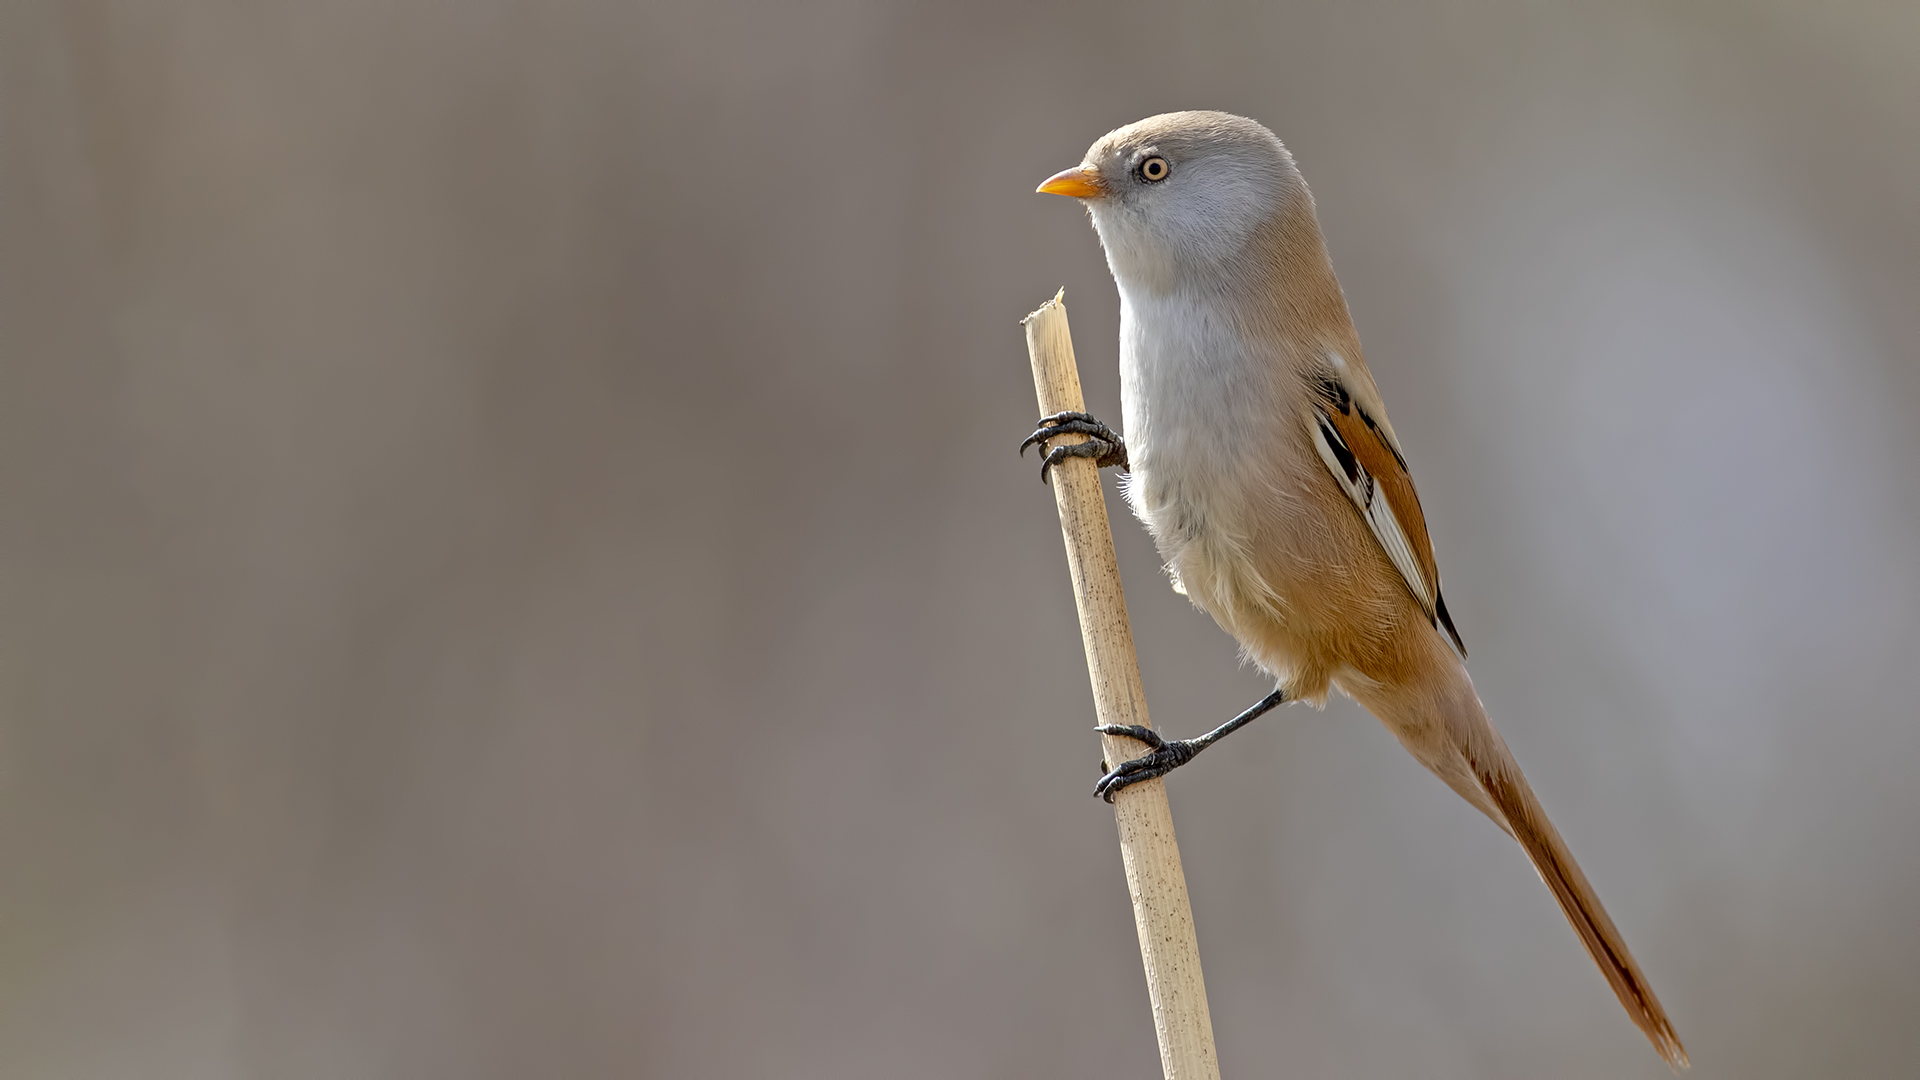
512	559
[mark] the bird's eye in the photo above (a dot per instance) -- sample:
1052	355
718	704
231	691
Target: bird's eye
1153	170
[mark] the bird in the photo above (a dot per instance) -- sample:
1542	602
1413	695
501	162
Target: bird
1258	454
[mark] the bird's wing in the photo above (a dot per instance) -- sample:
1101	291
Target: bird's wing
1358	445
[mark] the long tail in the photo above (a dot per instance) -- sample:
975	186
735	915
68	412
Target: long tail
1448	730
1551	859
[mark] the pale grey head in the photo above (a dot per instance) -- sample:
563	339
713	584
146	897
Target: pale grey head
1179	199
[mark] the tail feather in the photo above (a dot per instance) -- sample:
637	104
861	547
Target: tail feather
1528	823
1440	720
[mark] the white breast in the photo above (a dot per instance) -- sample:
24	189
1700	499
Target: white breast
1202	409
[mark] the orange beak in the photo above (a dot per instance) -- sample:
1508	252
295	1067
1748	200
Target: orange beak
1079	182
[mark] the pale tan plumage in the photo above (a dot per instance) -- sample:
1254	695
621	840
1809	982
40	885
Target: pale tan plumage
1263	462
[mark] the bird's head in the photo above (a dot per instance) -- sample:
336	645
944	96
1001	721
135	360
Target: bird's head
1183	195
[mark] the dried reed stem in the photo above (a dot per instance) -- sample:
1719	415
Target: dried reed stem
1155	880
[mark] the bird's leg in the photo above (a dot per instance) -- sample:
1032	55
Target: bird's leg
1166	755
1102	445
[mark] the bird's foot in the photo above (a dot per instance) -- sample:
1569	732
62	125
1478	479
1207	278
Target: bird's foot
1162	757
1103	446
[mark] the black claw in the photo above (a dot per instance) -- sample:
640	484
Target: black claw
1050	426
1166	755
1133	731
1103	446
1162	758
1095	448
1071	426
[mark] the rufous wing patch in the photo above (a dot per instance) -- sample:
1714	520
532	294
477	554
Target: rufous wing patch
1369	468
